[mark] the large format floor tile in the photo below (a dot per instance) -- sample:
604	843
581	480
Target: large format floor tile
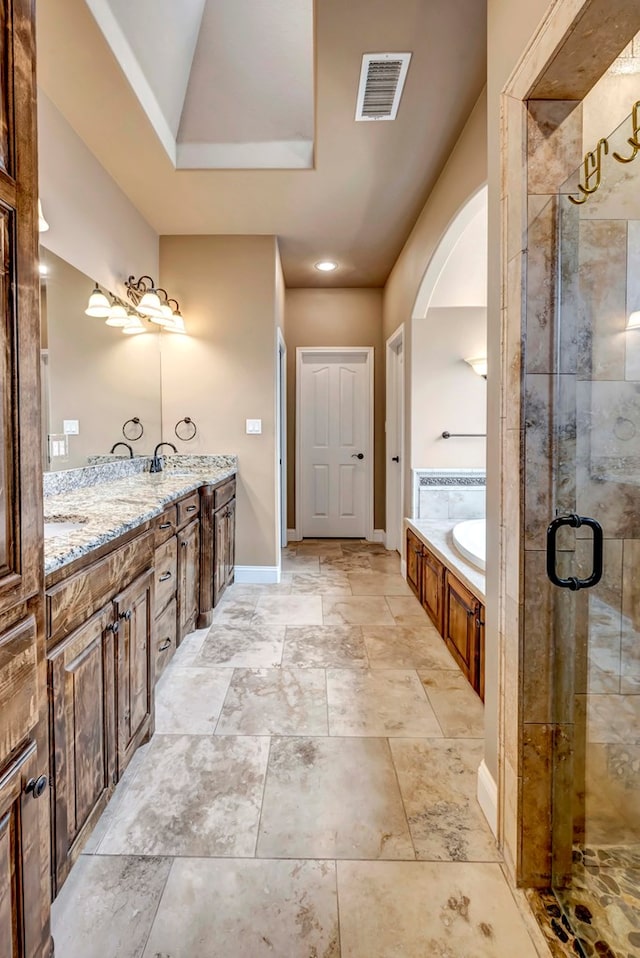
330	583
107	906
406	610
192	795
247	908
275	702
288	610
325	646
242	646
235	610
382	703
332	798
407	647
356	610
428	910
378	583
438	784
458	709
188	700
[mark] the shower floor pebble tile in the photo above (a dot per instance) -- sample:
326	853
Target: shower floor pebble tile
313	791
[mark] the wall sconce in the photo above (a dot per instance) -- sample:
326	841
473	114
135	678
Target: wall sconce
99	306
479	365
155	304
633	321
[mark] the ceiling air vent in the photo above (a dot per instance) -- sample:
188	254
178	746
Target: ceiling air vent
381	82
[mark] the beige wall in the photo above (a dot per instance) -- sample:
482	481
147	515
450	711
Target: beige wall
223	372
446	393
93	225
336	317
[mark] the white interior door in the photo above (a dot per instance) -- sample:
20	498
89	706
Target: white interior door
335	475
395	441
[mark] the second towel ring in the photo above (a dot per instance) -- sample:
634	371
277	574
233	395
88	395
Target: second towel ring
138	431
191	429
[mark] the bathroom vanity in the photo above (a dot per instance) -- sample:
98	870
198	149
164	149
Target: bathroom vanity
130	573
452	594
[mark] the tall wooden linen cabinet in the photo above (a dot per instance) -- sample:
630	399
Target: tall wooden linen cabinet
24	760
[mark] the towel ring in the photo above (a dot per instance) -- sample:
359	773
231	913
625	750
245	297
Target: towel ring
138	431
191	428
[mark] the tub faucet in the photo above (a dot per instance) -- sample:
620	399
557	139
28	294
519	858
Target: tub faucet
126	446
156	462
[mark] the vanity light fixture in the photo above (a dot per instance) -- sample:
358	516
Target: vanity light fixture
633	321
479	365
177	325
134	326
118	315
99	305
154	303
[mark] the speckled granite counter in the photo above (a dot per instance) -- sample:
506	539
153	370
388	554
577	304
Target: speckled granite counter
436	534
109	508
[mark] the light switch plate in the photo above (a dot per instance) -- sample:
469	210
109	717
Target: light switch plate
71	427
254	427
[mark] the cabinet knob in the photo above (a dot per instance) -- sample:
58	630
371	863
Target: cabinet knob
184	545
36	786
113	627
126	615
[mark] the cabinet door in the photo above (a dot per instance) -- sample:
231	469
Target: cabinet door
230	550
462	627
414	561
433	588
188	577
219	553
21	917
82	733
134	663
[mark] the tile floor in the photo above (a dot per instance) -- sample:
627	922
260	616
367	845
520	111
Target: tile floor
309	791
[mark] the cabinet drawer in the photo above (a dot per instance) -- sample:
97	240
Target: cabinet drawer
224	494
73	601
166	525
188	509
166	631
166	565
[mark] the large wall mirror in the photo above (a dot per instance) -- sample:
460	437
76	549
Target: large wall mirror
92	374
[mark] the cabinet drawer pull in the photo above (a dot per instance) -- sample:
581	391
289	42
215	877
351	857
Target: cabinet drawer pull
165	576
191	508
36	786
126	615
164	525
164	645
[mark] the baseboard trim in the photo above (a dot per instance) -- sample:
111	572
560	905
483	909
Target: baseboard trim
379	535
488	796
257	574
292	535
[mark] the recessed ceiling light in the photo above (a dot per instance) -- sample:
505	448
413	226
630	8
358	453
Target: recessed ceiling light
326	266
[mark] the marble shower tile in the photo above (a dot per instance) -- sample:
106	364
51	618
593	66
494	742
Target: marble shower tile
328	583
613	719
406	611
407	647
438	782
244	647
541	307
189	700
217	909
539	393
275	702
630	651
107	906
535	814
420	909
325	646
554	140
611	789
378	583
193	795
332	798
379	703
603	283
356	610
459	711
288	610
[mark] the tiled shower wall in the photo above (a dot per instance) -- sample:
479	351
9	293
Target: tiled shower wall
454	494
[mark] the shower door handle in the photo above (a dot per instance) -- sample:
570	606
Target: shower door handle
573	582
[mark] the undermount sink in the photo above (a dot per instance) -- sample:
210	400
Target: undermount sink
59	527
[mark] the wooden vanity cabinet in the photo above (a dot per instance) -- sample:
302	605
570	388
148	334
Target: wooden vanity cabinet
135	661
217	545
432	574
188	578
464	630
414	563
224	537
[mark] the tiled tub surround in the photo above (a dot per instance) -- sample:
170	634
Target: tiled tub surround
108	501
449	494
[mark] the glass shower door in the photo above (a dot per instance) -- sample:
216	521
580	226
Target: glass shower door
596	449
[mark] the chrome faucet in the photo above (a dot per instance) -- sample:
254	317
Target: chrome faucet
156	462
126	446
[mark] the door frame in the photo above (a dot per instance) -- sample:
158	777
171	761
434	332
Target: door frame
281	435
301	352
394	422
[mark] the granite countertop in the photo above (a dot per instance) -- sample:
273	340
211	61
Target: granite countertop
107	510
437	535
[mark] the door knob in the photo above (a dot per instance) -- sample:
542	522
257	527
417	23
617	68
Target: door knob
357	455
395	459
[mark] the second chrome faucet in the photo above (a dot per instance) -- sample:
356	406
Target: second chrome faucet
157	462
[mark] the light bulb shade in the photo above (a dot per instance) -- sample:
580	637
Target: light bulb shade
150	305
118	316
177	326
134	326
479	365
43	226
634	320
99	306
165	318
